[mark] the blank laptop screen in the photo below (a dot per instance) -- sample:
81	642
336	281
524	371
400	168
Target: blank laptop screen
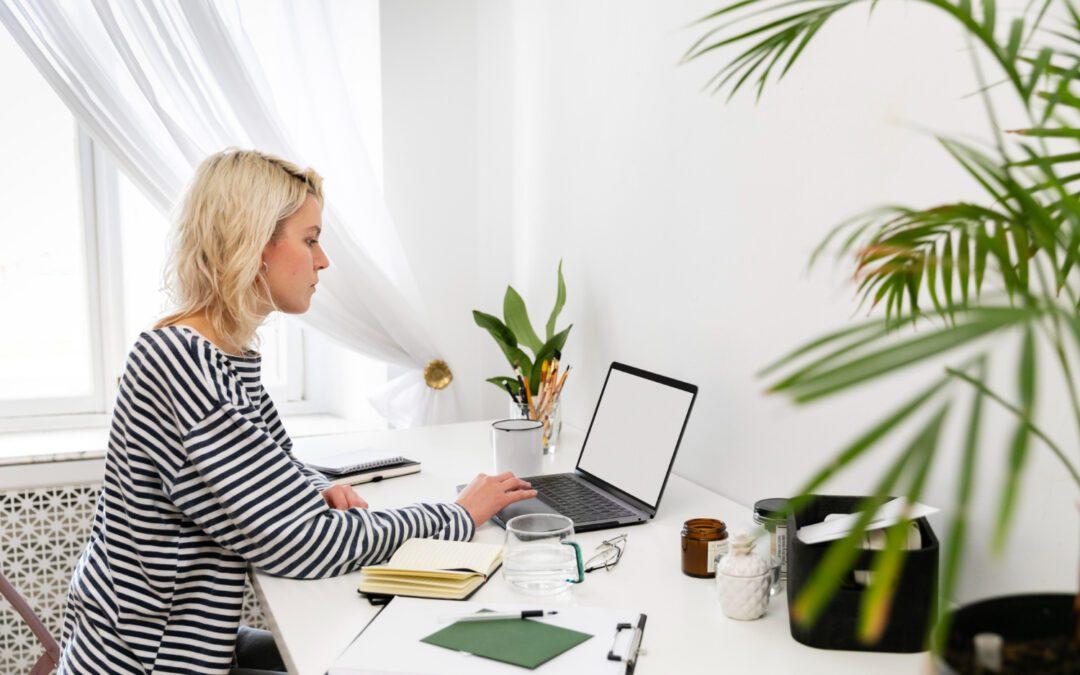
635	433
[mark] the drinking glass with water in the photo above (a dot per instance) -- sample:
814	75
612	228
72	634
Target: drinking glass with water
539	558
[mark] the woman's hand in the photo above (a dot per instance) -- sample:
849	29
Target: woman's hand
343	497
487	495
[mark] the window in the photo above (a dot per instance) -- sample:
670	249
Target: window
80	268
48	342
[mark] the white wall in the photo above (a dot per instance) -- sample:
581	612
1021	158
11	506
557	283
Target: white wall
566	130
443	153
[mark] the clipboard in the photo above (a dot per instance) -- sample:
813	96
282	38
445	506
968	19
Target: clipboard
630	655
391	643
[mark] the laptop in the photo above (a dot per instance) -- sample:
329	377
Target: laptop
626	458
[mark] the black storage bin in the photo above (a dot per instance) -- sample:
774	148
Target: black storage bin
914	604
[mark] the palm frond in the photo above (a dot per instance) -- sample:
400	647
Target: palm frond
848	364
753	20
770	38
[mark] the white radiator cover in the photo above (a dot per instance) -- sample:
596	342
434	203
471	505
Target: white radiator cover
42	532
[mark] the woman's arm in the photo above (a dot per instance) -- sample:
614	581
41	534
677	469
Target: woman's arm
246	493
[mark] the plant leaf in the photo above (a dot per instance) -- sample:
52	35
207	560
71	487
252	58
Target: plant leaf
957	533
931	278
999	246
860	368
1020	242
1020	440
963	264
875	327
1050	132
517	320
989	16
560	300
947	267
981	248
866	441
842	555
504	337
887	566
1016	33
501	380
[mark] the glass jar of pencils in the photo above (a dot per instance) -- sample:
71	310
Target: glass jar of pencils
550	416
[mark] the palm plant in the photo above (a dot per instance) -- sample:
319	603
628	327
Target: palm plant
957	276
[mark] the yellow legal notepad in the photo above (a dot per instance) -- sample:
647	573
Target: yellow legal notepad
432	568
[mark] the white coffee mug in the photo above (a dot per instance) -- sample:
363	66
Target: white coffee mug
518	446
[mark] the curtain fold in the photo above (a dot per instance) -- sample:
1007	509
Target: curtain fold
164	84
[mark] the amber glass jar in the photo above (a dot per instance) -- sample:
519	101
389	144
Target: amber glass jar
703	539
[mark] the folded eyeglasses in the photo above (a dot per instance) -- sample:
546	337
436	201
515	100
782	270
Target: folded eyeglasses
607	555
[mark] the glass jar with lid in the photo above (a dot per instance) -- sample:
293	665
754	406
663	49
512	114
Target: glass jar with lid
703	541
772	515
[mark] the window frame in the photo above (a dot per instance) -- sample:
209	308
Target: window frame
30	413
294	398
103	257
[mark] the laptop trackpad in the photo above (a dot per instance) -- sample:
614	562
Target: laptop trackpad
525	506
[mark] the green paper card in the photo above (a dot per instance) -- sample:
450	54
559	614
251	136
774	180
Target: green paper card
521	642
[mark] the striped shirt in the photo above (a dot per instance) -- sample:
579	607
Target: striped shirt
199	484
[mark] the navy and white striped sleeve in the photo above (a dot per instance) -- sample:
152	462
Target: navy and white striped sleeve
277	430
250	496
314	477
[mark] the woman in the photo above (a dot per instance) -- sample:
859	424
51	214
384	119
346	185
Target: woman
199	480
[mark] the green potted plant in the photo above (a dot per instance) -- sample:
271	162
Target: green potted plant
956	277
513	335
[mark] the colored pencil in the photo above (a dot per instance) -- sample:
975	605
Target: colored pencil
558	390
528	398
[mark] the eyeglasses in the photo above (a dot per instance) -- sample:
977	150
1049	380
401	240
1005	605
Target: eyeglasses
607	555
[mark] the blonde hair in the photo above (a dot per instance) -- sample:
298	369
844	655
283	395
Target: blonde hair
234	207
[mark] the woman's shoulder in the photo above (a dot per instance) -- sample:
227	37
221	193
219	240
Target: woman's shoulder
170	340
180	352
182	371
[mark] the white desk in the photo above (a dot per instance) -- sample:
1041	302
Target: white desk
314	621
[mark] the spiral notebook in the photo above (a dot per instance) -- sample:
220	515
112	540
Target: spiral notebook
334	456
350	463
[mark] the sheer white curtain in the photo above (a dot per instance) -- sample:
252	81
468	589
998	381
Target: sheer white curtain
163	84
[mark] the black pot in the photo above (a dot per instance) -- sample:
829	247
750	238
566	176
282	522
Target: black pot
1017	618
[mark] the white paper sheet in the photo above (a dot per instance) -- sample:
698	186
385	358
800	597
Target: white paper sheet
888	514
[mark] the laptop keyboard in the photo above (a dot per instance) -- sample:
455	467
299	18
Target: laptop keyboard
574	500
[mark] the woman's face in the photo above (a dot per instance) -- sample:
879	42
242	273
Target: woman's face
293	260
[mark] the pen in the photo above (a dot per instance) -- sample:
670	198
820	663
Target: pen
489	616
521	383
511	392
526	395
